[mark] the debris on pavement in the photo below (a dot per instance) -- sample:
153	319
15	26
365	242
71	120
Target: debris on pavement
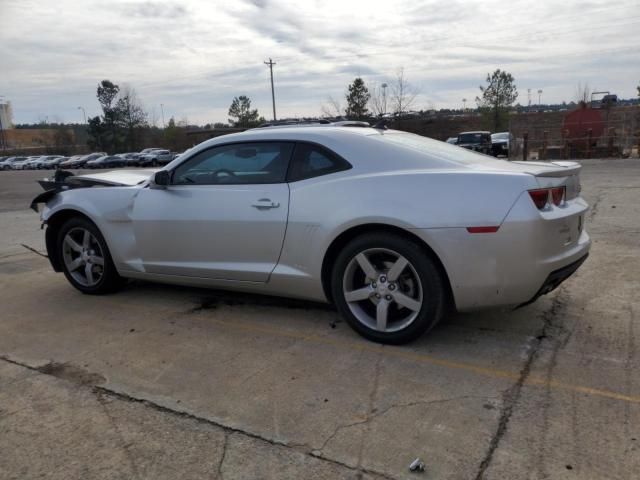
417	466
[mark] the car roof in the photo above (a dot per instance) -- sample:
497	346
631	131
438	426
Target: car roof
474	132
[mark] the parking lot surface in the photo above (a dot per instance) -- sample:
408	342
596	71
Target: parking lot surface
167	382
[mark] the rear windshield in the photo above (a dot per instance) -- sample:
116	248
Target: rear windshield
471	137
436	148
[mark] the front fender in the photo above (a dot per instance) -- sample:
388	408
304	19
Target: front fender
108	208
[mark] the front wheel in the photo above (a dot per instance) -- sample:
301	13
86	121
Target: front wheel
388	288
85	258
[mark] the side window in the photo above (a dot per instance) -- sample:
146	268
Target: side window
312	161
237	164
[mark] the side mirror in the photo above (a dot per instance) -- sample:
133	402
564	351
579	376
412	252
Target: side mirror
160	180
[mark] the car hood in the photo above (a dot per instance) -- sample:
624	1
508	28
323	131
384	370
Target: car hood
118	177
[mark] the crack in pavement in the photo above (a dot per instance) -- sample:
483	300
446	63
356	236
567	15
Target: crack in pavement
123	443
370	407
100	390
512	394
222	457
594	208
396	406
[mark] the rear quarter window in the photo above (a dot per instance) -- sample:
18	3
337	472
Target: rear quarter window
311	160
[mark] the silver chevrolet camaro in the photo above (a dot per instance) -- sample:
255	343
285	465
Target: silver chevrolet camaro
395	229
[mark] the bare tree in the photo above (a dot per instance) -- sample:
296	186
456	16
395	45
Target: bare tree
131	115
331	108
583	93
403	94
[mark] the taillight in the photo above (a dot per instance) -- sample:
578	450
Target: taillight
542	196
558	194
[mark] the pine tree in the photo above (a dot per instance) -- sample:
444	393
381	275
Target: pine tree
357	98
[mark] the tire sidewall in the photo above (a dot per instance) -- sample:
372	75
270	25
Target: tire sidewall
433	292
110	279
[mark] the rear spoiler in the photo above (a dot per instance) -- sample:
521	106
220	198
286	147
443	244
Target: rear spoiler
558	168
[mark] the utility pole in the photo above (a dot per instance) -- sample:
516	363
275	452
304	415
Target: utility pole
529	96
270	63
162	110
384	98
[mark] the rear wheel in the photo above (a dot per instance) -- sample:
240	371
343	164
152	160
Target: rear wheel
388	288
85	258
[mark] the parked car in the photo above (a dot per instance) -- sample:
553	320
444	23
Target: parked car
54	162
476	141
80	161
130	159
500	144
7	163
42	162
107	161
500	233
22	164
452	140
149	150
155	158
69	161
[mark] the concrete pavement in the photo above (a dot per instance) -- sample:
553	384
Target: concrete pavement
167	382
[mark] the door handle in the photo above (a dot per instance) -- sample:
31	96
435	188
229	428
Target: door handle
265	203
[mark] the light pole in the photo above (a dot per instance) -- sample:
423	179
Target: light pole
83	113
162	110
2	142
539	96
384	98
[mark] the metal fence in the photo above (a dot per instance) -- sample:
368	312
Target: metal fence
589	133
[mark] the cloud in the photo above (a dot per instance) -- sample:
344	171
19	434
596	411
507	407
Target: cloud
194	56
154	10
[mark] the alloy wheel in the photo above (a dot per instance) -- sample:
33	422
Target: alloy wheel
382	289
83	256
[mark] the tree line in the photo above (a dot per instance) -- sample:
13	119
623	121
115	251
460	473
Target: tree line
364	103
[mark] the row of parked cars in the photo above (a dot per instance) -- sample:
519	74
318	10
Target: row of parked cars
496	144
149	157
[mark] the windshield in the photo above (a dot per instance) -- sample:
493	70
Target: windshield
500	136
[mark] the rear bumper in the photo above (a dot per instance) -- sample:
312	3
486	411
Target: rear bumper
555	278
507	268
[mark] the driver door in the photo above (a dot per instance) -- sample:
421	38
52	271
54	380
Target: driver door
223	216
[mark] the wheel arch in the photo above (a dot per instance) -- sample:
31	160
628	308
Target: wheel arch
51	234
345	237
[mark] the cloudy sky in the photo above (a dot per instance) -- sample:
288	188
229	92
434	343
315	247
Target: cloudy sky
195	56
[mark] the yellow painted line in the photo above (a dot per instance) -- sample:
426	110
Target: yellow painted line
398	352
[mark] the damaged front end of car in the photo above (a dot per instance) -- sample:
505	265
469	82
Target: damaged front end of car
64	180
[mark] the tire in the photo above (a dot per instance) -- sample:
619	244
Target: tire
102	278
413	296
154	163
